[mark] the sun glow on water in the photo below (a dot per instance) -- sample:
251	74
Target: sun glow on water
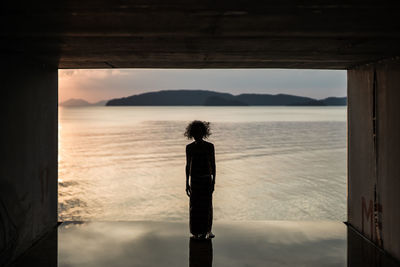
273	163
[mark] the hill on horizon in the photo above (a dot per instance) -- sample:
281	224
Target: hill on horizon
78	102
212	98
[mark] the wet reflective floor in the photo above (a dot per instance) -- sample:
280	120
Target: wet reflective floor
270	243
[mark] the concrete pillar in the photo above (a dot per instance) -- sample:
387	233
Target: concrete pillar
28	183
374	153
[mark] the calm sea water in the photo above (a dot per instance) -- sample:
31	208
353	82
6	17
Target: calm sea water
273	163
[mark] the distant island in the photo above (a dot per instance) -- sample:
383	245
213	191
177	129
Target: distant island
211	98
77	102
208	98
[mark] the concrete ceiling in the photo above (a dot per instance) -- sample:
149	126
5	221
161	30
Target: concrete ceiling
201	34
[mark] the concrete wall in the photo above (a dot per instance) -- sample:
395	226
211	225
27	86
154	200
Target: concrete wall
374	153
388	110
28	182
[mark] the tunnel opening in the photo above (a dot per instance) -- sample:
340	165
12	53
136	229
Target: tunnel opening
359	37
275	162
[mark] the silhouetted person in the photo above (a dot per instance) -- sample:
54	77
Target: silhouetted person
200	253
200	166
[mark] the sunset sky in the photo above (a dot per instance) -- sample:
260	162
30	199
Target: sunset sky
104	84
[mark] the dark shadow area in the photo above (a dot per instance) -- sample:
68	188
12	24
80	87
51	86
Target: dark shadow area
43	253
200	253
361	252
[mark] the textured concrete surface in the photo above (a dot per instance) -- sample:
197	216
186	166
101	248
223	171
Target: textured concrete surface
201	34
28	184
388	154
374	153
361	161
362	253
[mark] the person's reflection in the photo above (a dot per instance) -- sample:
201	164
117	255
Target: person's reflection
200	252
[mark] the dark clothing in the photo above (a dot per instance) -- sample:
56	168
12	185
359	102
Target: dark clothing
201	161
201	211
202	157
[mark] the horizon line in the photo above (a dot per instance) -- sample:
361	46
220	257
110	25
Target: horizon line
210	90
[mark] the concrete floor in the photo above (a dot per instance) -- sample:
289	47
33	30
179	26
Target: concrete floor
270	243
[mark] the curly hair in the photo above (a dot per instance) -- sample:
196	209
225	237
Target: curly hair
198	129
